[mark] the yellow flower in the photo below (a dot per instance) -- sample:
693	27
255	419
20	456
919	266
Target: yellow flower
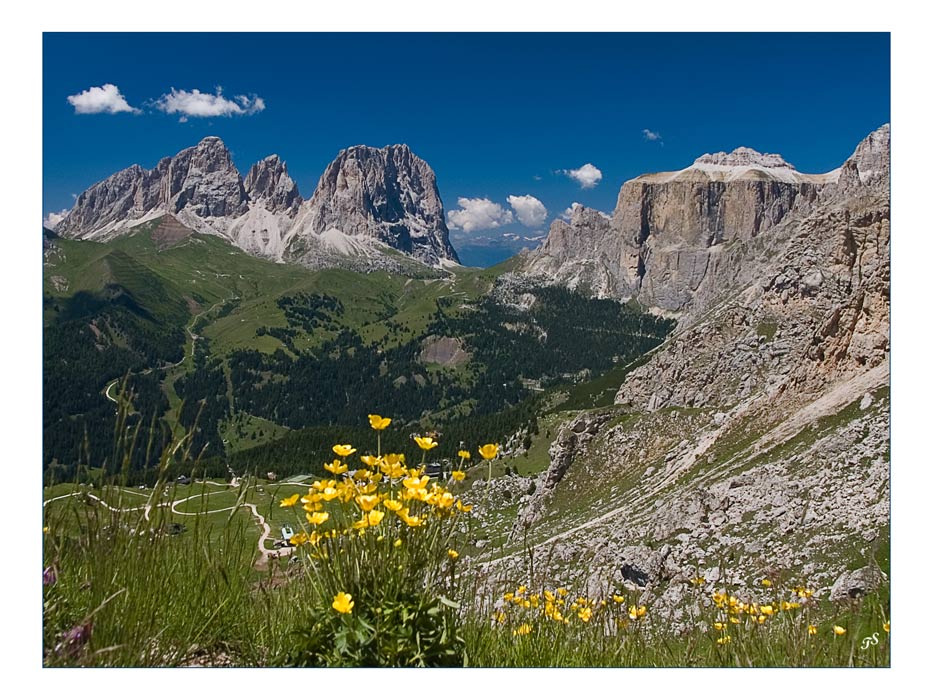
410	520
585	614
762	619
463	508
392	504
329	493
489	451
524	629
336	467
767	609
618	598
452	553
698	581
344	450
724	640
287	502
298	539
561	591
414	483
636	612
839	631
766	583
887	626
367	503
426	443
317	518
343	603
720	625
521	589
377	422
719	598
45	530
507	597
375	517
735	620
445	500
458	475
369	460
463	454
397	543
811	630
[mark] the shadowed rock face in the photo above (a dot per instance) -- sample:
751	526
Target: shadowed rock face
387	194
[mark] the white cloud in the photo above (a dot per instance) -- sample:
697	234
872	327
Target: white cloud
650	135
478	214
97	100
195	103
568	212
529	210
53	218
587	175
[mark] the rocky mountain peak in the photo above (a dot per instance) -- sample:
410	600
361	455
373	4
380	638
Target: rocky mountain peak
870	164
384	194
268	182
743	157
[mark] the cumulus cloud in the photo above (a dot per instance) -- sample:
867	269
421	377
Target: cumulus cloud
529	210
478	214
105	99
194	103
650	135
53	218
587	175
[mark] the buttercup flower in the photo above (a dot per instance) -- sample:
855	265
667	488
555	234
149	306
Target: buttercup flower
452	553
811	630
463	454
377	422
489	451
317	518
343	603
426	443
290	501
344	450
766	583
457	475
336	467
524	629
839	631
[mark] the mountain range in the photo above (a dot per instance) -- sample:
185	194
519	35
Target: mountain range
369	203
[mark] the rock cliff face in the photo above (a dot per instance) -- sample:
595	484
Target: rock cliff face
369	203
668	229
387	195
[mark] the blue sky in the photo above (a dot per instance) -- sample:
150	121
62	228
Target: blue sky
494	114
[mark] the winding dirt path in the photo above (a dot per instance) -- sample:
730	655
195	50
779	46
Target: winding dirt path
189	350
265	527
